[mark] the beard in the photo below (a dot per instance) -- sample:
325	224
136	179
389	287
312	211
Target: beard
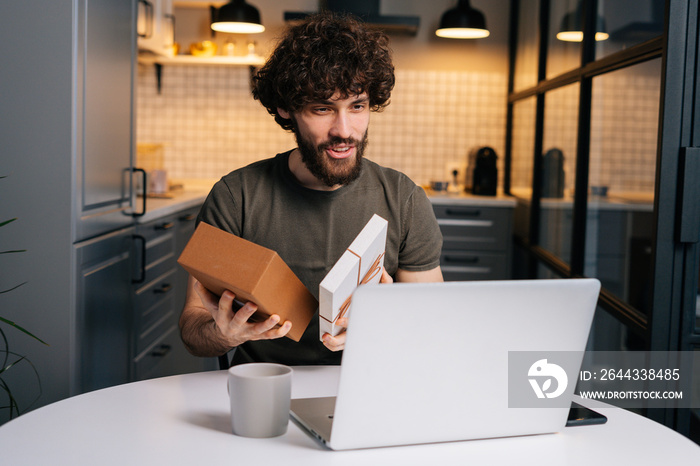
331	172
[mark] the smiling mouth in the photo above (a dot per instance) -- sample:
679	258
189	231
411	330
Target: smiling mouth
340	152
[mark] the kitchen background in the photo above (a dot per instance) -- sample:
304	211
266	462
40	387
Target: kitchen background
69	137
449	99
210	124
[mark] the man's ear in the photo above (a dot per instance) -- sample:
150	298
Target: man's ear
283	113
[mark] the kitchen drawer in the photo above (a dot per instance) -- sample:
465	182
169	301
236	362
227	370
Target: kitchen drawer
166	226
148	298
163	317
158	248
154	360
186	220
157	252
159	267
474	228
471	265
159	298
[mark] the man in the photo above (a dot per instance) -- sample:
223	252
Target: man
308	204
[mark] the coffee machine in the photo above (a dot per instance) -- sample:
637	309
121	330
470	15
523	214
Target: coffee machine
553	174
482	172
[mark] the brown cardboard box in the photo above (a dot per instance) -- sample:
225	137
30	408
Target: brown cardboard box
222	261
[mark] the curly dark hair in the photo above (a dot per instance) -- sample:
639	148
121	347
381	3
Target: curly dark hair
327	53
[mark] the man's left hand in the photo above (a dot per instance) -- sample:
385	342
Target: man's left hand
337	343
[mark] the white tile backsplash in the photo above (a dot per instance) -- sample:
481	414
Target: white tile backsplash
210	124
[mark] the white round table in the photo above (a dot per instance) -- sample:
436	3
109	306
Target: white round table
184	420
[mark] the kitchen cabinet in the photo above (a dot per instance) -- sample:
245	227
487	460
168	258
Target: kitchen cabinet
477	237
184	230
618	233
103	320
159	295
103	93
68	179
69	142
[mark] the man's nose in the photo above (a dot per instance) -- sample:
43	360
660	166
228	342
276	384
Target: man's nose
341	126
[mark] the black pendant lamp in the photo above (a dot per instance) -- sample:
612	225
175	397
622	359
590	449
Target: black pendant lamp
571	28
236	16
462	22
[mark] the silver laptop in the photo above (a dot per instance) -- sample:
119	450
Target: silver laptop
426	363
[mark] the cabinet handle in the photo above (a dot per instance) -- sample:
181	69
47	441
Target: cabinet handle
142	268
161	351
187	217
164	288
130	177
164	226
463	212
144	184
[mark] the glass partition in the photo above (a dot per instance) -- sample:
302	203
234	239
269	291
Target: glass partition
622	174
523	145
564	49
528	48
558	169
522	159
628	23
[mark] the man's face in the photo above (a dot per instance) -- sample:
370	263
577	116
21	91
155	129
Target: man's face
332	136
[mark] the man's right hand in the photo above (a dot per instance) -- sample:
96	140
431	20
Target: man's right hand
234	326
210	327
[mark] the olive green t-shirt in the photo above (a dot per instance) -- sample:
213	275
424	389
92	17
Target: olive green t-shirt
311	229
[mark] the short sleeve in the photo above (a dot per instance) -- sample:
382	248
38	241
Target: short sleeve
422	240
220	209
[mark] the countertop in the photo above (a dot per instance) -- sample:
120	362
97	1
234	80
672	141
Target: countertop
615	200
467	199
193	192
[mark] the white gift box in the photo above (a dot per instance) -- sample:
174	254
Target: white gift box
361	263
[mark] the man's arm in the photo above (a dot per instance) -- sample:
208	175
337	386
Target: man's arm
433	275
209	327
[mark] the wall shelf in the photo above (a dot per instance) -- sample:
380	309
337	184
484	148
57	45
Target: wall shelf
252	61
189	60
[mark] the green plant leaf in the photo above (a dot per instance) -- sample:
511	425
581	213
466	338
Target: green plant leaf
14	406
13	288
7	348
13	251
12	324
9	366
2	224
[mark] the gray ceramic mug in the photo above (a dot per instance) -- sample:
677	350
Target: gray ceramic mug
260	395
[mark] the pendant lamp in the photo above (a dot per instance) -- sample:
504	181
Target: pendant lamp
236	16
462	22
571	28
